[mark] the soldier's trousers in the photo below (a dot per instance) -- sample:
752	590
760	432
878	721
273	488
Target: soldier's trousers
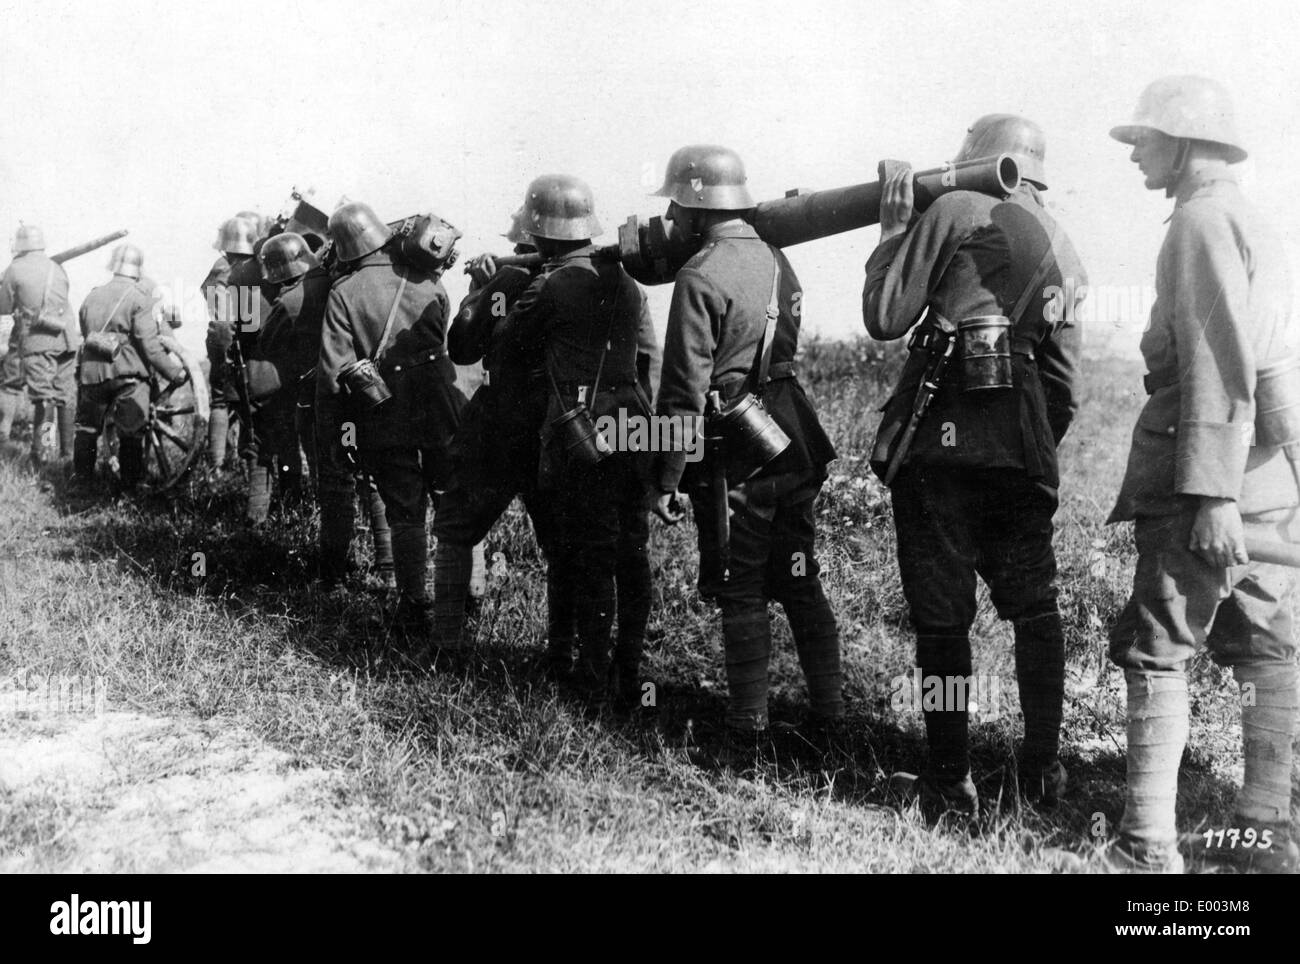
1180	602
338	485
597	536
406	479
50	381
772	557
127	401
277	462
466	513
954	525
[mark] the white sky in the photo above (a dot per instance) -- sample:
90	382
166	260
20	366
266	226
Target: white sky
166	119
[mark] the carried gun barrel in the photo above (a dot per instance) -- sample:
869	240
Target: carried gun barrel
87	247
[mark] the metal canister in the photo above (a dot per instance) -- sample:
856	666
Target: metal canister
1277	403
364	384
753	437
985	345
578	436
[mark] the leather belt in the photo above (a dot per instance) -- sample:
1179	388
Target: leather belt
422	359
1154	381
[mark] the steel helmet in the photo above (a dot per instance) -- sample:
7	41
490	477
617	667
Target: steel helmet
28	237
357	231
236	236
285	257
517	234
1008	134
559	207
255	219
1186	106
706	176
126	260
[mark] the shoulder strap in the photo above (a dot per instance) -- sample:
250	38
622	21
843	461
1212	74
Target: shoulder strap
113	314
392	313
1036	281
49	283
769	329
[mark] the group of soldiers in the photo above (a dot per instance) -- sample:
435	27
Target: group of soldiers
353	361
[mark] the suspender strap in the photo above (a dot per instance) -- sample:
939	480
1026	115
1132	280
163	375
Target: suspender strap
113	314
769	330
1036	281
392	313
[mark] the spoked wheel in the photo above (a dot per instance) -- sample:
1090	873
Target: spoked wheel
177	429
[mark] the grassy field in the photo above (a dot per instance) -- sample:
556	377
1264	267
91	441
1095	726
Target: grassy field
491	768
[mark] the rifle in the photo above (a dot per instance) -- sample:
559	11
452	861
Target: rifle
940	345
236	355
716	456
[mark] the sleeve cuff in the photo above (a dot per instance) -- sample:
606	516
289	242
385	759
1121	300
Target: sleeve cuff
1212	458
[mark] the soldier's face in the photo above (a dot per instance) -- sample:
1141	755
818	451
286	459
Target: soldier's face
680	223
1156	156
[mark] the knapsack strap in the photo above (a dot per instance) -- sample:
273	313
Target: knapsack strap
113	314
1036	280
392	313
769	329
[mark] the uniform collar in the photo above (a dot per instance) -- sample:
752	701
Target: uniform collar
586	251
1202	182
741	229
374	258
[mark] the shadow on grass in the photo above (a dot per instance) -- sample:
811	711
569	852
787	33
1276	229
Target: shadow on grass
192	542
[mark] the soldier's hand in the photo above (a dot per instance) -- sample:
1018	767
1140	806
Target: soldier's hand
182	377
668	507
481	270
1217	534
896	199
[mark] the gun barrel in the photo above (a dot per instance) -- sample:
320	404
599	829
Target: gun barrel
820	214
87	247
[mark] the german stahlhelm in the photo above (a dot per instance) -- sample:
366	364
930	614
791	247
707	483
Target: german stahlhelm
559	207
126	260
357	231
285	257
706	176
236	236
28	237
996	134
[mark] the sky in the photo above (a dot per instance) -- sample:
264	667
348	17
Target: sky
165	119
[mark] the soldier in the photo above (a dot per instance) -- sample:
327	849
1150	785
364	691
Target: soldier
1206	473
976	491
384	338
497	453
235	241
496	449
120	351
283	351
733	329
581	317
41	354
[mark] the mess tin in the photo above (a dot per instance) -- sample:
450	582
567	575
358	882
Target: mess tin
985	349
753	438
364	384
578	436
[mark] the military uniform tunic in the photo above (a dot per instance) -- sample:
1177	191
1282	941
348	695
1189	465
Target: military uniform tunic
1222	311
718	316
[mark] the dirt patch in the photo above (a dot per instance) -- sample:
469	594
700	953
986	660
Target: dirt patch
123	792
